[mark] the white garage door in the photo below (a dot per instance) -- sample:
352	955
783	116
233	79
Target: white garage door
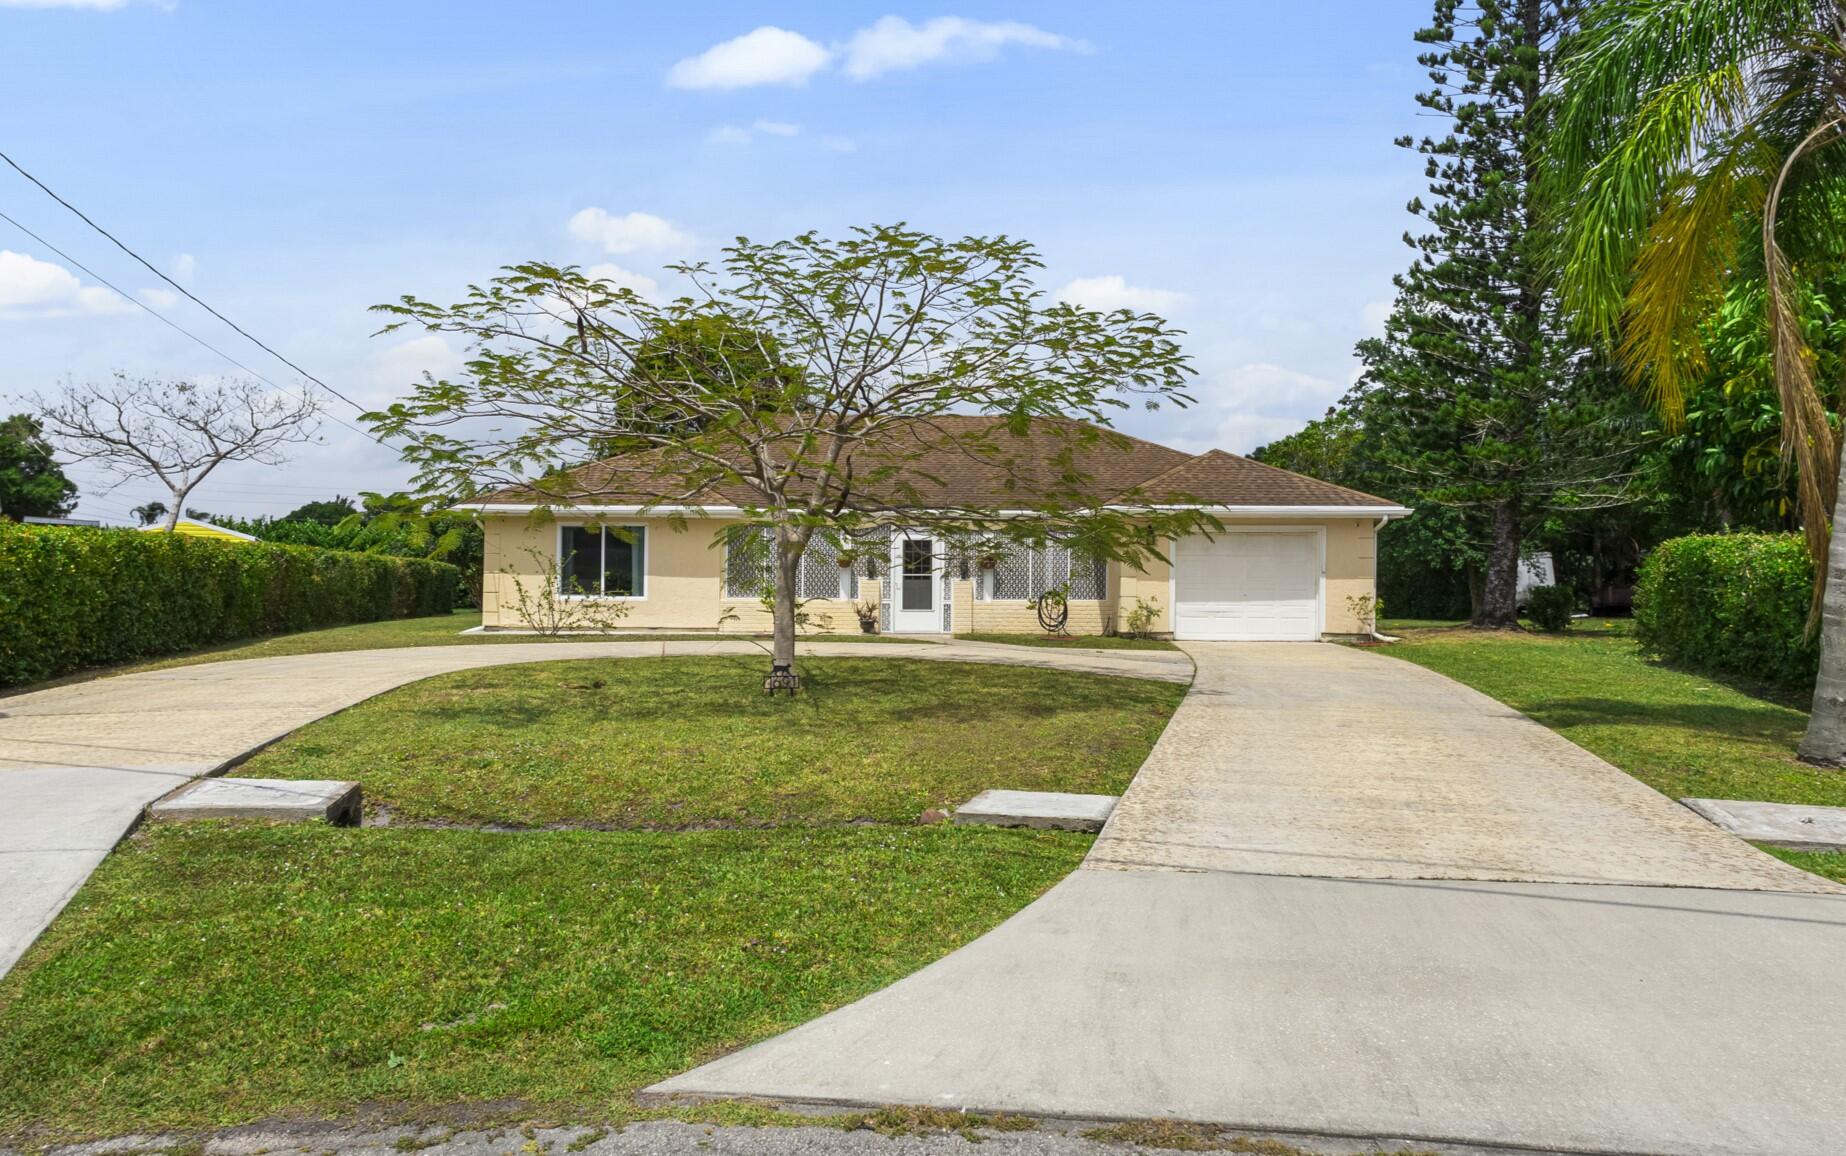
1252	586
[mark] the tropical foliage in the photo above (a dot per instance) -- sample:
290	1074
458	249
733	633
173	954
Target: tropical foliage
1696	146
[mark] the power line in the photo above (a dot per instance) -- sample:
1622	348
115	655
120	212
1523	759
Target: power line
252	338
177	327
136	301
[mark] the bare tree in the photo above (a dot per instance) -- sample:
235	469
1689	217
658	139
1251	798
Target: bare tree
176	432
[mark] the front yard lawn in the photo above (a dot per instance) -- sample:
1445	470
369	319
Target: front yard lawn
1078	641
690	742
1684	734
211	975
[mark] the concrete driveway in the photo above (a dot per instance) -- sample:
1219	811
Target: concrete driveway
1348	896
79	762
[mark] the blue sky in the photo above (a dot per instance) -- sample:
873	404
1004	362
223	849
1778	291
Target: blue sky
1228	164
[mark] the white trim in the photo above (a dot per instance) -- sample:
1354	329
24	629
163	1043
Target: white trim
602	568
937	565
1320	590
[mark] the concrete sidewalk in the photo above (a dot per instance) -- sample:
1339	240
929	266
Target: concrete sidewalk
1291	922
79	762
1545	1016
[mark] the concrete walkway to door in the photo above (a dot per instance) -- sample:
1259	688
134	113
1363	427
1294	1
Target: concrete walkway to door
79	762
1347	896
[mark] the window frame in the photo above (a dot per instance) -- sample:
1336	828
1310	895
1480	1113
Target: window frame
640	532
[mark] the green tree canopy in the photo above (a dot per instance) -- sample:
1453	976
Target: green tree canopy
31	483
1477	393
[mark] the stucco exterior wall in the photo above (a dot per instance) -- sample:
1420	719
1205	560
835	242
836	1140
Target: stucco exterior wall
685	589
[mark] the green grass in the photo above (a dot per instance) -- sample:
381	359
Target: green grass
685	742
1686	735
1831	864
1082	641
215	974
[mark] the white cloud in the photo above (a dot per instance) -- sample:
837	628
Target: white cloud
768	55
159	298
1242	432
1114	292
1263	385
730	134
893	44
623	278
402	365
1374	316
628	233
30	287
184	266
1254	404
97	5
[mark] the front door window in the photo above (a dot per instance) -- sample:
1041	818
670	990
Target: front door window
919	577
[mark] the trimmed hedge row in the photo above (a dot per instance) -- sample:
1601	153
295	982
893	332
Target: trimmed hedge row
74	597
1732	604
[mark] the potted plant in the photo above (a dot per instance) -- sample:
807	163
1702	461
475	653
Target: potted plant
868	616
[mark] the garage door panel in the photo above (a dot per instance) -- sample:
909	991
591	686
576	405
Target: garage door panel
1254	586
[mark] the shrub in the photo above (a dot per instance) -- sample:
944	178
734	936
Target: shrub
1550	607
74	597
1730	603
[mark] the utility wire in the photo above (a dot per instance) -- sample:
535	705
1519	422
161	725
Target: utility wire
181	288
169	322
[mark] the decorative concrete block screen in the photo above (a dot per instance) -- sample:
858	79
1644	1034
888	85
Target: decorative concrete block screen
1024	573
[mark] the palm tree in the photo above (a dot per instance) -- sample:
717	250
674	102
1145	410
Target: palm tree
1694	145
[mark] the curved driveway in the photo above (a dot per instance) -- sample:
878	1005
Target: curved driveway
79	762
1346	895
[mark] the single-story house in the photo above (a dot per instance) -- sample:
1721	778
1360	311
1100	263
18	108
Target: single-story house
1293	552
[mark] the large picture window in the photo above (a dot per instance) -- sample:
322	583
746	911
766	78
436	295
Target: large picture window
603	561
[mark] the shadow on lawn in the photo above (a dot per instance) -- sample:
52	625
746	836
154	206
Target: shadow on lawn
1782	727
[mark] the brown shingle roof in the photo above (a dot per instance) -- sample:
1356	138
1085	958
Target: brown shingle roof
1004	472
1220	479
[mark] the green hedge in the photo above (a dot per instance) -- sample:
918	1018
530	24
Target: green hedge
1731	604
73	597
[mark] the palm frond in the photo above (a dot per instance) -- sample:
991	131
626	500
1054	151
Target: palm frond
1680	272
1649	87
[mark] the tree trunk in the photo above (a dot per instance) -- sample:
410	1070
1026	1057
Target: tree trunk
1825	740
1499	609
179	500
789	543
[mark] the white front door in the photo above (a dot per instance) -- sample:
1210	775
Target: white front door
1248	585
916	572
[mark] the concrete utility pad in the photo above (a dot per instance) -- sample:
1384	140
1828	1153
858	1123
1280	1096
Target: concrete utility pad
1048	809
1781	824
289	799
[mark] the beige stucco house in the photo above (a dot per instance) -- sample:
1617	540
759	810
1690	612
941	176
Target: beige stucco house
1293	552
